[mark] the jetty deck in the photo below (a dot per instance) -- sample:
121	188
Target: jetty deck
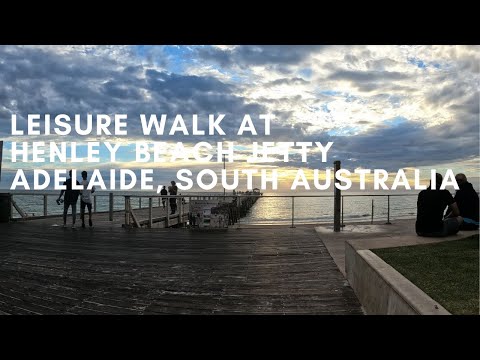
47	269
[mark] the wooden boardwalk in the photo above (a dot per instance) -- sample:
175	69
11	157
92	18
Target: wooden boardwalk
263	270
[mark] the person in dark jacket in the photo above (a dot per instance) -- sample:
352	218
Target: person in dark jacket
467	200
71	197
431	205
163	192
173	201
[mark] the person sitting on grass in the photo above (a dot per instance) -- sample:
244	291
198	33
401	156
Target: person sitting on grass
431	205
467	200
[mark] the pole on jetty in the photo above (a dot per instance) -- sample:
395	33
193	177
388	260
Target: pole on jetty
343	225
337	198
293	212
371	222
388	211
127	211
110	210
225	176
150	204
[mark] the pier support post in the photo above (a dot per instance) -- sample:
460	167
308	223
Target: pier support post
337	199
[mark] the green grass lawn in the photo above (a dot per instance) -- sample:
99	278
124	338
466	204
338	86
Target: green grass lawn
446	271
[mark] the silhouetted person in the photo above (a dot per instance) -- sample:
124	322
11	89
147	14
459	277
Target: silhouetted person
431	205
86	200
70	199
163	192
173	202
467	200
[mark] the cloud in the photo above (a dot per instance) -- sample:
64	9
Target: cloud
362	87
248	55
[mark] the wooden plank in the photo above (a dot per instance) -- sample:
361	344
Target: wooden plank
265	270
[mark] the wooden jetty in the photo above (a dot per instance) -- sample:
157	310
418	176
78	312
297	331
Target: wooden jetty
235	207
47	269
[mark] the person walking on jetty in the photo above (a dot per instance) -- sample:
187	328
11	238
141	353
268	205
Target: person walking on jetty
164	192
86	200
173	202
431	205
70	199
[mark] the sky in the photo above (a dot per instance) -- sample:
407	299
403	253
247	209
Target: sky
383	107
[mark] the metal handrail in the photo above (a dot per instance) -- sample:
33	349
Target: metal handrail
189	197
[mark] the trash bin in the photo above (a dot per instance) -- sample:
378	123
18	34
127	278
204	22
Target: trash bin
5	207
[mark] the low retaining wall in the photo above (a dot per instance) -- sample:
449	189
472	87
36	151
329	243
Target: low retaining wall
382	290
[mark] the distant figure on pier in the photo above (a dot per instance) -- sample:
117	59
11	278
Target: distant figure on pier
468	204
163	192
173	202
70	199
431	205
86	200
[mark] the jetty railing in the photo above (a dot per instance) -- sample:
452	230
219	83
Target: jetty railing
49	201
118	202
374	216
234	206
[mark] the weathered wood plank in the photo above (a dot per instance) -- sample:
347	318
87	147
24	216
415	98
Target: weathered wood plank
266	270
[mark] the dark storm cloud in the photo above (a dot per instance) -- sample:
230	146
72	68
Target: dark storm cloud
408	144
37	81
287	81
248	55
367	80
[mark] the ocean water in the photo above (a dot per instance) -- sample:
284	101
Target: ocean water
312	210
270	209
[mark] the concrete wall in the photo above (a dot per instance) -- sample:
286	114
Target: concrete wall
382	290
